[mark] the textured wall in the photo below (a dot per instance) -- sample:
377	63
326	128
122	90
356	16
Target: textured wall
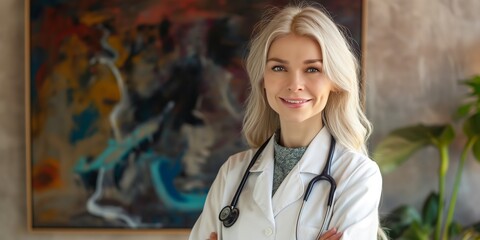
416	53
417	50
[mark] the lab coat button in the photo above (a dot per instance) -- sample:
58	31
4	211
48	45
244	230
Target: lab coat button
268	231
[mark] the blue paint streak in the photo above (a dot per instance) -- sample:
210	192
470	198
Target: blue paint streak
84	124
119	151
163	174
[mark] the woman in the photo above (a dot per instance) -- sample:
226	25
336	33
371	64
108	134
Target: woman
304	101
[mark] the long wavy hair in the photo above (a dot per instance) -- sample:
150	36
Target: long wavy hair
343	113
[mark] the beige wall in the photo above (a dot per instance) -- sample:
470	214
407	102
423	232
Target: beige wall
416	52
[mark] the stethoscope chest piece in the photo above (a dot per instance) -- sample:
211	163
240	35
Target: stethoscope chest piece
228	215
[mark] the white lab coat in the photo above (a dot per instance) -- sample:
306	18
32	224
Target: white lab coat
262	216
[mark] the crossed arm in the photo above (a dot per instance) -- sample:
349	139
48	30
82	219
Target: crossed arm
331	234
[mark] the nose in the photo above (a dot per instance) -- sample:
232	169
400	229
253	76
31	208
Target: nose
296	82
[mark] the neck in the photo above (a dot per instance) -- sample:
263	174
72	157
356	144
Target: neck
298	134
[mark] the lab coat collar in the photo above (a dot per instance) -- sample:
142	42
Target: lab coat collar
265	159
312	160
315	157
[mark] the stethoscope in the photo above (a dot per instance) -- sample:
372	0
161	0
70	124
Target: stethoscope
229	214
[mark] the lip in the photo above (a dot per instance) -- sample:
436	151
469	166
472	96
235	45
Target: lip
295	102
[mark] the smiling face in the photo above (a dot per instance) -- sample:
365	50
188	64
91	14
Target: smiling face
295	85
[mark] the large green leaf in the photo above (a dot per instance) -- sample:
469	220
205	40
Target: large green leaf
430	210
454	230
400	144
416	232
400	219
463	110
471	127
474	84
447	135
476	150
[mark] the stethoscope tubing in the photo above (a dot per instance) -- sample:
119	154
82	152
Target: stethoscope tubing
247	173
229	214
325	175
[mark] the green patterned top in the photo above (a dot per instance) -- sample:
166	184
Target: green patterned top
284	160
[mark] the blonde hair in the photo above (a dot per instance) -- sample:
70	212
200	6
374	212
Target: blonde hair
343	114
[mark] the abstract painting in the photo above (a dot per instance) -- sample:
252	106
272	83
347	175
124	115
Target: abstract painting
133	105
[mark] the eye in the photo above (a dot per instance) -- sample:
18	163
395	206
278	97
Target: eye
278	68
312	70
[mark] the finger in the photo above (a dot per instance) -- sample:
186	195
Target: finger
328	234
213	236
336	236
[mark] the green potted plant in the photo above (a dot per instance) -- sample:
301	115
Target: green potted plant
405	222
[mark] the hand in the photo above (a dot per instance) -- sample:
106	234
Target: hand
213	236
331	234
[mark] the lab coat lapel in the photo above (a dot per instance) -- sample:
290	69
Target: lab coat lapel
262	192
289	191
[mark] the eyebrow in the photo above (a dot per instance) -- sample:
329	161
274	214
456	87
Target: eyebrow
277	60
313	61
309	61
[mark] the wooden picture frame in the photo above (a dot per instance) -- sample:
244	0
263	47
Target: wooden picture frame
123	131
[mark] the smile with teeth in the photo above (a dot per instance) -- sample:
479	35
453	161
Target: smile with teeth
295	101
